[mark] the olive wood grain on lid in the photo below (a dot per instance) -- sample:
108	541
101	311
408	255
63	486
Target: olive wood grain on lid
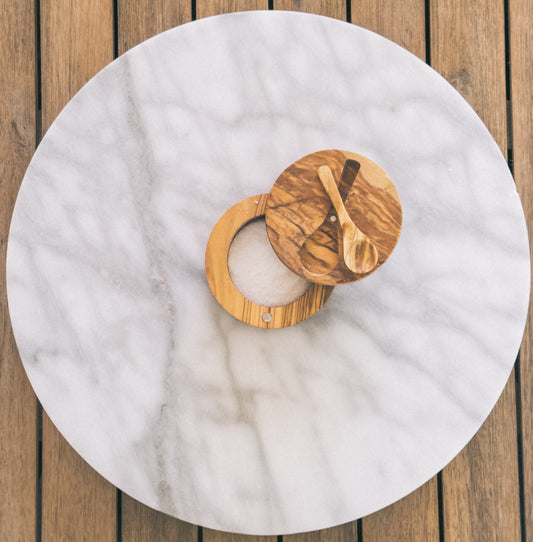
303	226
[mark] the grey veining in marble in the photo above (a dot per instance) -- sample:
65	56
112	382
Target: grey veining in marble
187	409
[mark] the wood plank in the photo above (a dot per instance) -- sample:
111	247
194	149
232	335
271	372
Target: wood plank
405	24
401	22
336	9
210	535
206	8
138	21
143	524
521	45
18	406
76	41
477	67
78	504
480	487
329	8
341	533
416	516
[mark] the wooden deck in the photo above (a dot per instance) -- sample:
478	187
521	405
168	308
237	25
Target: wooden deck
48	50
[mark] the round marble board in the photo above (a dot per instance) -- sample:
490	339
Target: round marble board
195	413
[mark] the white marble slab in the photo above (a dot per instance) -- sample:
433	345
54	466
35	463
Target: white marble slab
189	410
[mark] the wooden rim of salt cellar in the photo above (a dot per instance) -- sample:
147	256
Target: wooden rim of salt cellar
332	217
225	291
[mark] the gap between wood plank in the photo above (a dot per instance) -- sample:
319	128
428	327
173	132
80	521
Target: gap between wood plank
440	499
517	372
427	31
440	503
520	444
38	137
115	28
39	481
507	39
38	78
119	515
118	492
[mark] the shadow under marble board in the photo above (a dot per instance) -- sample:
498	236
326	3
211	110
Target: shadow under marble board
195	413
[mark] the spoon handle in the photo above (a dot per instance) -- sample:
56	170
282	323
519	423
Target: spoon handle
330	186
359	253
320	253
349	173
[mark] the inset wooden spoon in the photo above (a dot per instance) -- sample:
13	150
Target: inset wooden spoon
319	254
360	254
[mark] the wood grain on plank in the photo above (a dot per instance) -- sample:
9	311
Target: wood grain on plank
78	504
140	20
76	42
329	8
402	22
143	524
476	68
414	518
480	487
209	535
521	47
207	8
18	406
341	533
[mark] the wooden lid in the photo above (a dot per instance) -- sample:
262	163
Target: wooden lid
304	228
